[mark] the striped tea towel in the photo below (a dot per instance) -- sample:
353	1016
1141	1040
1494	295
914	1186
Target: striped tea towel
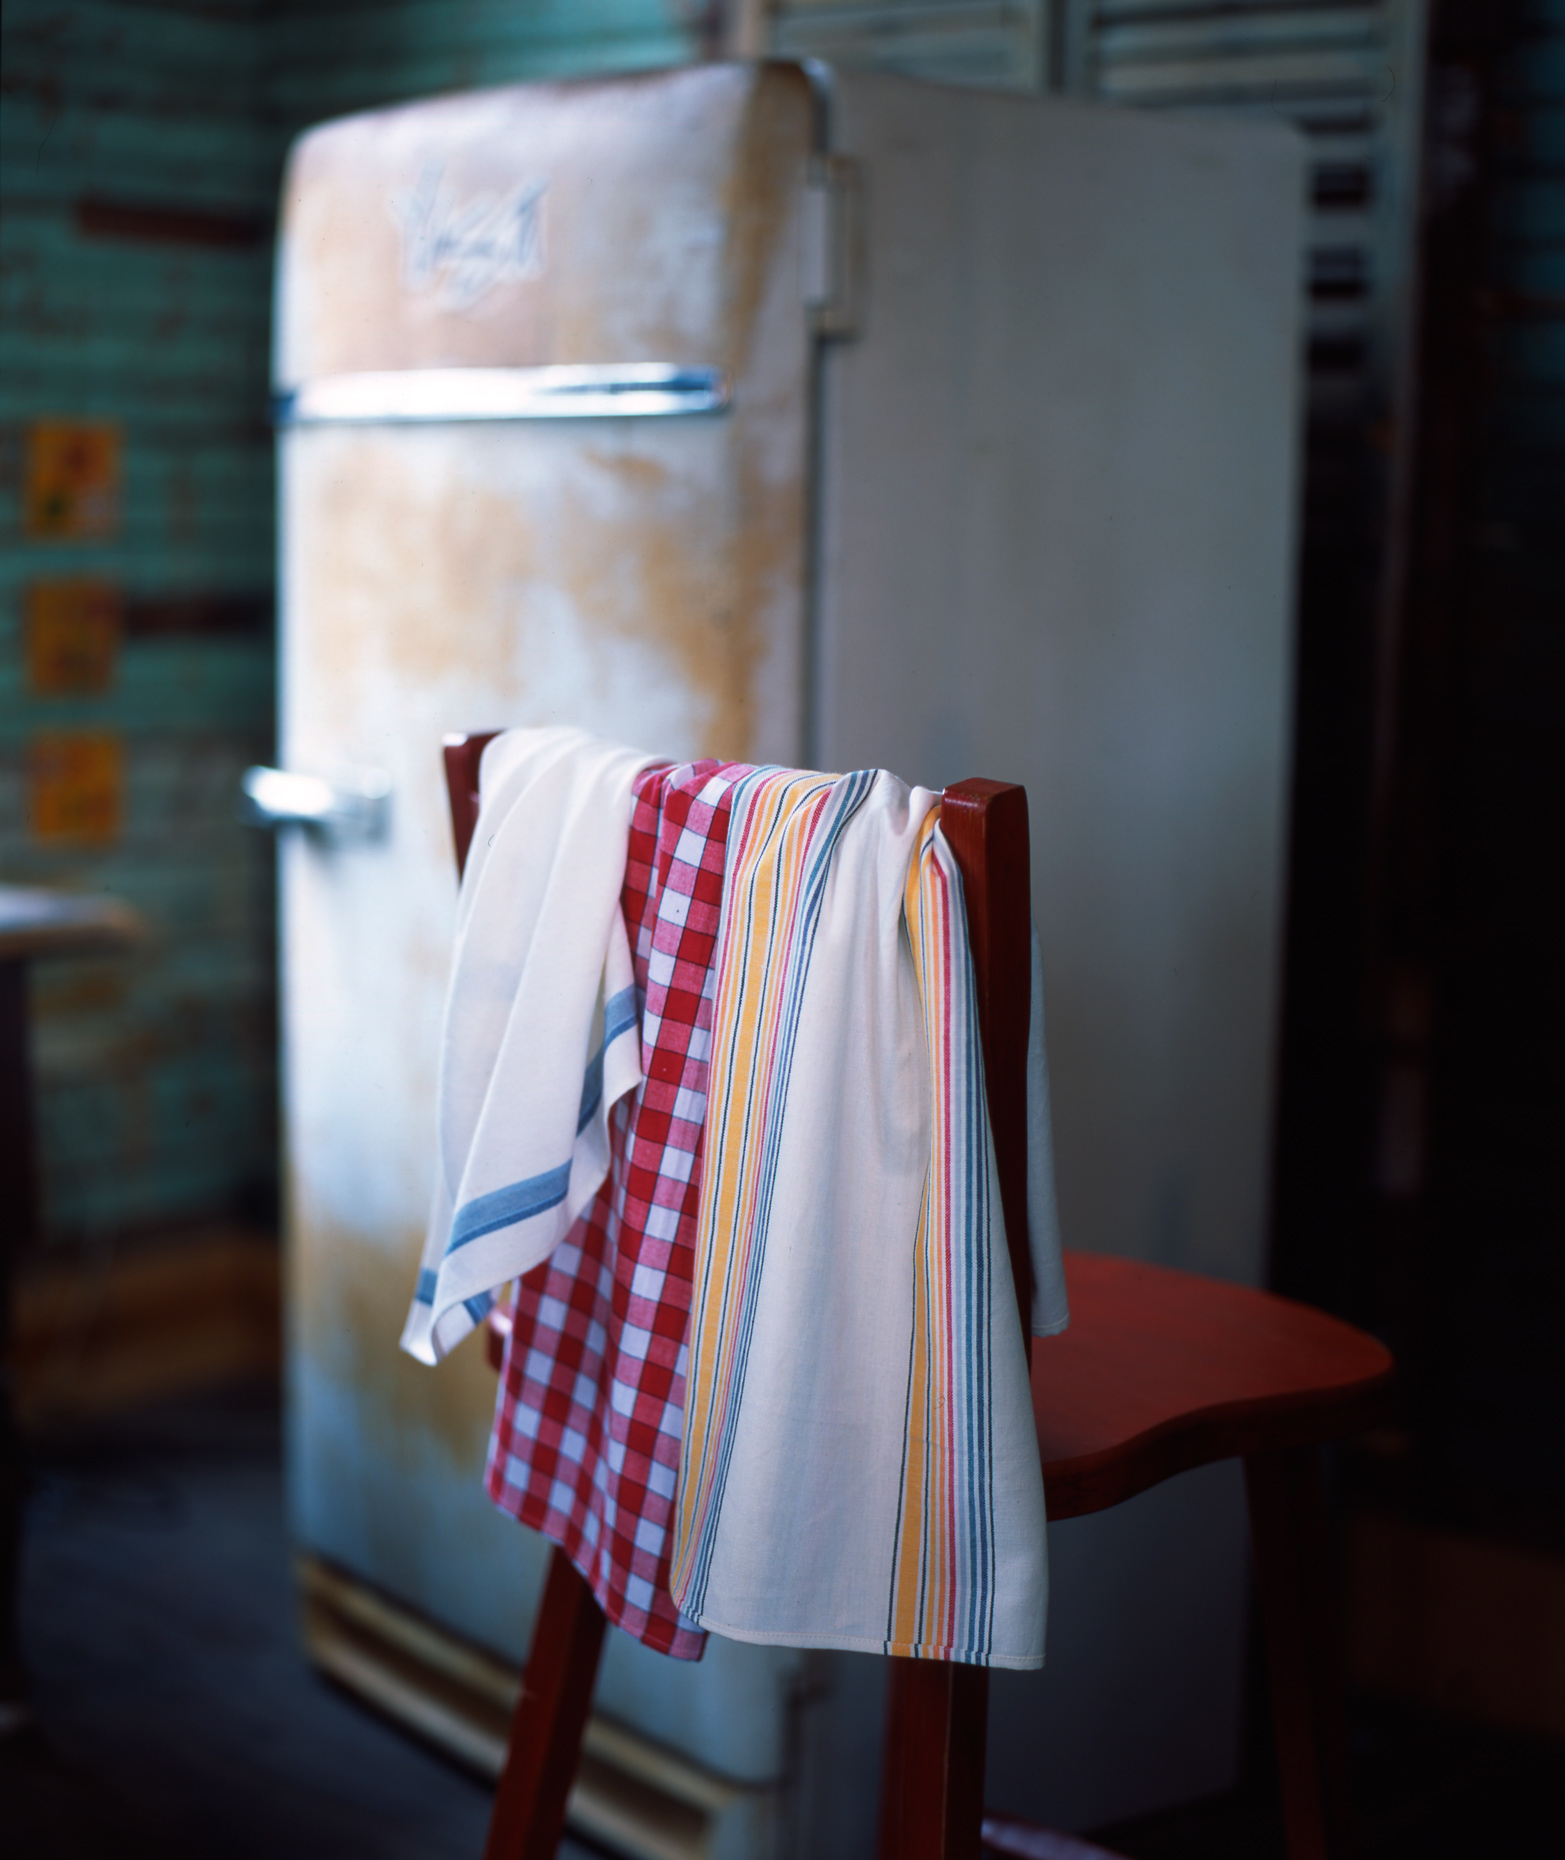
859	1467
541	1030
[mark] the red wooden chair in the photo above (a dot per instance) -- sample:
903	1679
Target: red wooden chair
1158	1373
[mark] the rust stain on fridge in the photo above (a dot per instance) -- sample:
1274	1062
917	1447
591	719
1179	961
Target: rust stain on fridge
348	1314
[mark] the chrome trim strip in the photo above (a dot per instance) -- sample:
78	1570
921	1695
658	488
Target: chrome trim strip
634	390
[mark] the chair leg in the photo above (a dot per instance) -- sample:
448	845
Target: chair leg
1288	1532
932	1785
551	1716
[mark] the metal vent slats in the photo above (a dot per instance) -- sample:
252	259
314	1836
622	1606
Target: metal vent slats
1350	78
998	44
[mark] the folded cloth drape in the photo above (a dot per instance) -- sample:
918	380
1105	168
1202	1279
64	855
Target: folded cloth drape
848	1418
590	1409
859	1464
541	1030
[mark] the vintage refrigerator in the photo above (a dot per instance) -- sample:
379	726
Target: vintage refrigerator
812	417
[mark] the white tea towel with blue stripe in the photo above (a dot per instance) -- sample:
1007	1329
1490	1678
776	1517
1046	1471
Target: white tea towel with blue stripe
542	1031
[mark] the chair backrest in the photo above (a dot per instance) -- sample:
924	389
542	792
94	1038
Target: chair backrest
462	757
985	825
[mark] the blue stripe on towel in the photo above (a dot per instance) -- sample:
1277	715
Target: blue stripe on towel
619	1016
504	1207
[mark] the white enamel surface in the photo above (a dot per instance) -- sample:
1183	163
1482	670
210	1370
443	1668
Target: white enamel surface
641	578
1058	550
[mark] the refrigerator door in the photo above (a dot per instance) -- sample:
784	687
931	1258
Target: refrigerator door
451	560
1060	474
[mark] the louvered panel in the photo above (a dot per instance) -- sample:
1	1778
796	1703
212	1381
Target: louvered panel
999	44
1227	40
1112	12
1350	78
1278	78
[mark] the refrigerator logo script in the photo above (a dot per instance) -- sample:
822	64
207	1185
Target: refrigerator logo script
462	249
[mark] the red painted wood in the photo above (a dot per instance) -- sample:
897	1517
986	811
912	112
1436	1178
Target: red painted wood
462	756
550	1718
1161	1371
1288	1531
985	825
497	1328
932	1790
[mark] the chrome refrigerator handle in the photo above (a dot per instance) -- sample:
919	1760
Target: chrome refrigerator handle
357	806
613	390
834	245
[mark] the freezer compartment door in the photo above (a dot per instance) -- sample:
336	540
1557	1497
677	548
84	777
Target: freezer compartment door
611	222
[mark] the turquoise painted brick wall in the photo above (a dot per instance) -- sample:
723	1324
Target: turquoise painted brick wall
326	60
136	187
141	147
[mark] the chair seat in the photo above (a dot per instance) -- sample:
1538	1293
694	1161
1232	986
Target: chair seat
1161	1371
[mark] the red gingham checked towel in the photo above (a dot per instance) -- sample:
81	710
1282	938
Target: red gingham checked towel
588	1420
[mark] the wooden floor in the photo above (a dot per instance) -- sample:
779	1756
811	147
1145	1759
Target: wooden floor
177	1718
